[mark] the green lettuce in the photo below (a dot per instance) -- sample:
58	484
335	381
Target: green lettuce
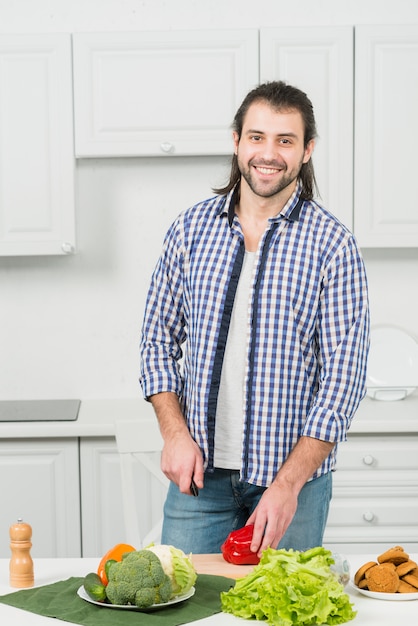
290	587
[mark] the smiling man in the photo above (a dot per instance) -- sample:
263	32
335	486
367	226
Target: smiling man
263	292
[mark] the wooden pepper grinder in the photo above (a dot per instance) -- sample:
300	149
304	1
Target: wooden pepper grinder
21	564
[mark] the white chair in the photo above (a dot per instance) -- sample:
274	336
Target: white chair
144	486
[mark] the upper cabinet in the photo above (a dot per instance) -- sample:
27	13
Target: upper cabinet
386	134
319	60
36	145
165	93
176	93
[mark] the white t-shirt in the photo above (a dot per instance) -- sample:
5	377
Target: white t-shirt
231	397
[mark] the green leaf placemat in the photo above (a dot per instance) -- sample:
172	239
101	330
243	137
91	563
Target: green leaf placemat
60	600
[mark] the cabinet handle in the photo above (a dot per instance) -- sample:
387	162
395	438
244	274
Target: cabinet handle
368	459
368	516
67	247
167	147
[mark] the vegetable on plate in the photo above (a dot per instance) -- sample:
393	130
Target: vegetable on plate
138	579
289	587
178	567
114	554
94	587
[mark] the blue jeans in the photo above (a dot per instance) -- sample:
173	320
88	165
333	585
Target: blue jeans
200	525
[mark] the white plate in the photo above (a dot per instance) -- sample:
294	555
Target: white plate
393	364
378	595
84	595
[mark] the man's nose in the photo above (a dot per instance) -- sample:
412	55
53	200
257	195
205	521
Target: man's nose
269	151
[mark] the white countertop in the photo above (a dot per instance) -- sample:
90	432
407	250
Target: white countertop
378	416
369	610
97	419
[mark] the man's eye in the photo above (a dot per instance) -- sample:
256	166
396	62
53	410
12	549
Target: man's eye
256	137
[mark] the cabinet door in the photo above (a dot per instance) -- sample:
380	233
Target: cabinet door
160	94
319	60
101	496
36	145
39	482
101	499
386	134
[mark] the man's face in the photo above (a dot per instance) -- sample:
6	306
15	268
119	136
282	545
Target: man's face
271	149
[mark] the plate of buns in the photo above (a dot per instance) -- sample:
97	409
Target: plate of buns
393	576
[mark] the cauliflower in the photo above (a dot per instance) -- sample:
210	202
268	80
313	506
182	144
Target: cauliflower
177	565
138	579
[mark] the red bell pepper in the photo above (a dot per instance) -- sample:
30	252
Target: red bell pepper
236	547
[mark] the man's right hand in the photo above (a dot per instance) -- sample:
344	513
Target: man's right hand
181	459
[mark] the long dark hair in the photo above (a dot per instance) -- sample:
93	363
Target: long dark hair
281	97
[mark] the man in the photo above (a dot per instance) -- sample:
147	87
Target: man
267	293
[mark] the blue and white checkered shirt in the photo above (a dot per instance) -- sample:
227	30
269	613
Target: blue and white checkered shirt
307	330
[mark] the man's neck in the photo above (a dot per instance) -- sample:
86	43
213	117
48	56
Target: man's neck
254	212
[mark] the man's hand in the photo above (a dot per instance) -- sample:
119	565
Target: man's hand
272	516
181	459
278	504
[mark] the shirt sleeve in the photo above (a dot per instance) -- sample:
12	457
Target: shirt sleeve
163	326
343	331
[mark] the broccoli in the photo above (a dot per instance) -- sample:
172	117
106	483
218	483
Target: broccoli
138	579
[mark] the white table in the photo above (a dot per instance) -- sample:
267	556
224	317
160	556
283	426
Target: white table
370	611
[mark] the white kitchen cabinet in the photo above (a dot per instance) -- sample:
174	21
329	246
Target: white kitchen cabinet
319	60
36	145
375	494
386	133
160	93
101	499
39	482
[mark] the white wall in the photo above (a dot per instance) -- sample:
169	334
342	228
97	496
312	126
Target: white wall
69	326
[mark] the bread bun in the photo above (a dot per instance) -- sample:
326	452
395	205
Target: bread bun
383	579
411	579
405	568
395	555
361	572
405	587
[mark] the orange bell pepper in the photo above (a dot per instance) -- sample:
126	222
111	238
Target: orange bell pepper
116	553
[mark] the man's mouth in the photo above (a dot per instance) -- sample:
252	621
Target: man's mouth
266	170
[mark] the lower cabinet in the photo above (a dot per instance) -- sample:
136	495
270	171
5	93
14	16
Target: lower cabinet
102	522
39	482
375	494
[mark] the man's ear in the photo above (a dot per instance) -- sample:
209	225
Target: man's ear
308	150
235	137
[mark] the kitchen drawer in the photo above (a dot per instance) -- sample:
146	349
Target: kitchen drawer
374	506
379	517
378	453
375	510
357	481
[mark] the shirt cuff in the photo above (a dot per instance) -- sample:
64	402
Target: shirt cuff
326	425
